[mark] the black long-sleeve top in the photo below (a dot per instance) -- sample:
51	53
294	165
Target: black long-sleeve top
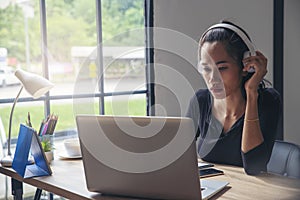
225	148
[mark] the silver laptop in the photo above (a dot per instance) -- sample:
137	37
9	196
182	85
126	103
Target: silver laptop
148	157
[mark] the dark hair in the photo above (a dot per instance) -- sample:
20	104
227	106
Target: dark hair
234	46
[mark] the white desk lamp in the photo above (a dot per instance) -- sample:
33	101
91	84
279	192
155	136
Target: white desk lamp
36	86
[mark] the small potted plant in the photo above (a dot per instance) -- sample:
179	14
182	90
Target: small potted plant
48	149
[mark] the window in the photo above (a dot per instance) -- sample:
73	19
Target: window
93	51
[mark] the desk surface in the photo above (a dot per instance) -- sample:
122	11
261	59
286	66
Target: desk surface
68	181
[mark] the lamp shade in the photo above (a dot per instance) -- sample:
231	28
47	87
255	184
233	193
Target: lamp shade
34	84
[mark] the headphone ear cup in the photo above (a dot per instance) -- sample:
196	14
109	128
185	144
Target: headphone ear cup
248	54
251	70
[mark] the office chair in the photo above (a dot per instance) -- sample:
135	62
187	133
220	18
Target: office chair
285	159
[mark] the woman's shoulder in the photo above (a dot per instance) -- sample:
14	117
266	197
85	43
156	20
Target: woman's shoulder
269	95
201	97
202	93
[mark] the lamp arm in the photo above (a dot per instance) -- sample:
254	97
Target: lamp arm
10	122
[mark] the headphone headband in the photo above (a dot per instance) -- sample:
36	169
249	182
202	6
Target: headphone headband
240	33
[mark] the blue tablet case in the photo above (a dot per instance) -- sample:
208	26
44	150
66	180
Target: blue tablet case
28	141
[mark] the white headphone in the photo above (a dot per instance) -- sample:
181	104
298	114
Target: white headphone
240	33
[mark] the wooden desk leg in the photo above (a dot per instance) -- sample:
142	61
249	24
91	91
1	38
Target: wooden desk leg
17	189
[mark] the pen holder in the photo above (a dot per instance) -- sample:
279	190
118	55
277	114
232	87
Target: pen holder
47	145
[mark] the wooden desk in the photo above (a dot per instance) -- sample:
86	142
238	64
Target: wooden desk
264	186
68	181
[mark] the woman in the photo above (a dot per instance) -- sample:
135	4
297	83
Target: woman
237	116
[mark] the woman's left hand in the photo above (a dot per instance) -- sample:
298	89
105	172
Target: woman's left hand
259	63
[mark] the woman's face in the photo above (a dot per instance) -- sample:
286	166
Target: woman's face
220	71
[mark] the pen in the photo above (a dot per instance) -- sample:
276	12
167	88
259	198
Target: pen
45	127
41	128
28	120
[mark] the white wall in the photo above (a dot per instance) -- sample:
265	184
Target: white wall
291	71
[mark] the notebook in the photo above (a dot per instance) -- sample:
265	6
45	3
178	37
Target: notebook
147	157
